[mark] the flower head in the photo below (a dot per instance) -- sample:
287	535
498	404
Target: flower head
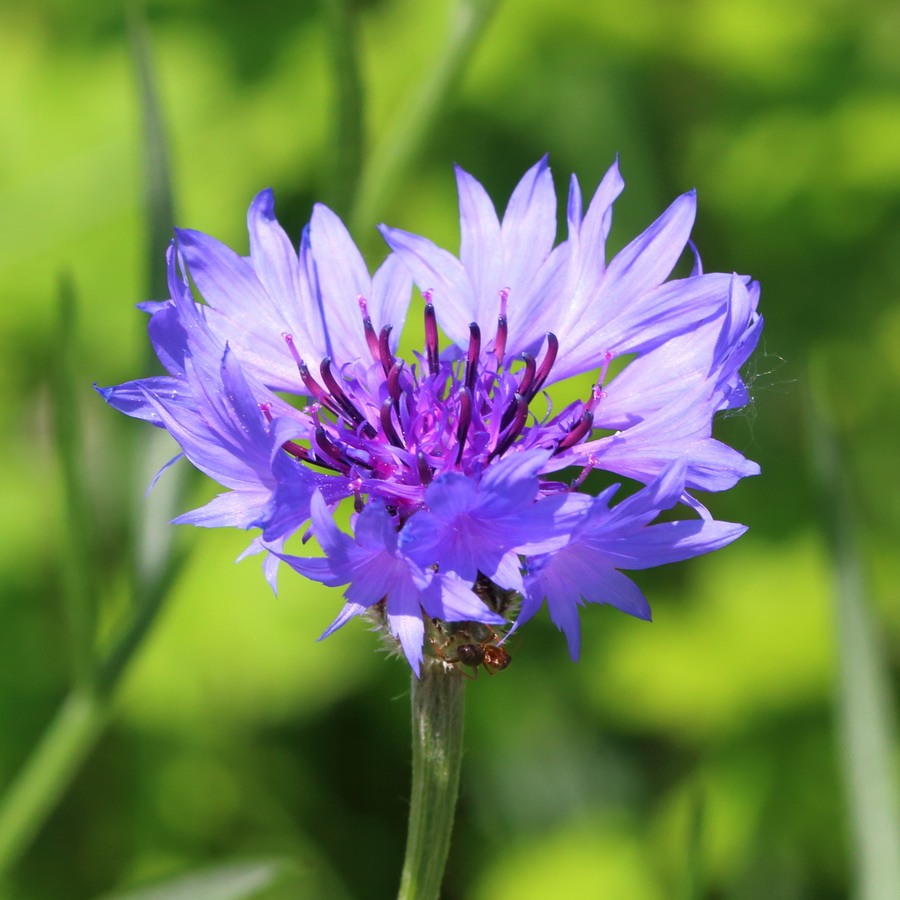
450	454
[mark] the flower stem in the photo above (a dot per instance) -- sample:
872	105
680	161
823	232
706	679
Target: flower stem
437	727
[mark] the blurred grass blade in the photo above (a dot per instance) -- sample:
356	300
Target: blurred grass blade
406	136
159	205
865	718
348	151
237	881
77	553
693	886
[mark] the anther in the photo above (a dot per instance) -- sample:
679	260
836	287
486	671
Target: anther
295	450
465	419
266	410
330	451
387	424
524	385
502	328
515	429
425	473
582	429
371	337
527	375
347	408
472	355
546	365
384	349
597	394
393	381
432	350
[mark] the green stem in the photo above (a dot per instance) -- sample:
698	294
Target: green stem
437	727
404	139
45	777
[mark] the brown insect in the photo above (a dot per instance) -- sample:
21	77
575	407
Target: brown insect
474	644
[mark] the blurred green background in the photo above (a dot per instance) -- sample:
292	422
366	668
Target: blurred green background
697	757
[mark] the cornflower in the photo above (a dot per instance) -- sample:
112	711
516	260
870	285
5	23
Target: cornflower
466	484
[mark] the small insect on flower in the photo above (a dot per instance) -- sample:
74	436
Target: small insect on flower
287	385
474	644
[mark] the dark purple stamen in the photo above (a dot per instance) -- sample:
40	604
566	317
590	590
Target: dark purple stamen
527	377
425	473
472	355
528	374
431	336
296	450
546	365
582	429
384	349
515	429
393	381
465	419
312	385
330	451
387	423
502	328
597	394
371	337
344	402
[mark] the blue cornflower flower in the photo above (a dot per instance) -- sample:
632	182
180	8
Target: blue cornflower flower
448	456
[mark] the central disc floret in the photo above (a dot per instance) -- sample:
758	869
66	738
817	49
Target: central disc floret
403	425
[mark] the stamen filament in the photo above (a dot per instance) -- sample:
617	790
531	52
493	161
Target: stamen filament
371	337
502	328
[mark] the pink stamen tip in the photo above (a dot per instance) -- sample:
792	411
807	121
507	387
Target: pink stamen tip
427	295
289	340
504	296
265	409
363	305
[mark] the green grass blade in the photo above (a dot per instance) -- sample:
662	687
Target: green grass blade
159	204
865	717
348	150
404	139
